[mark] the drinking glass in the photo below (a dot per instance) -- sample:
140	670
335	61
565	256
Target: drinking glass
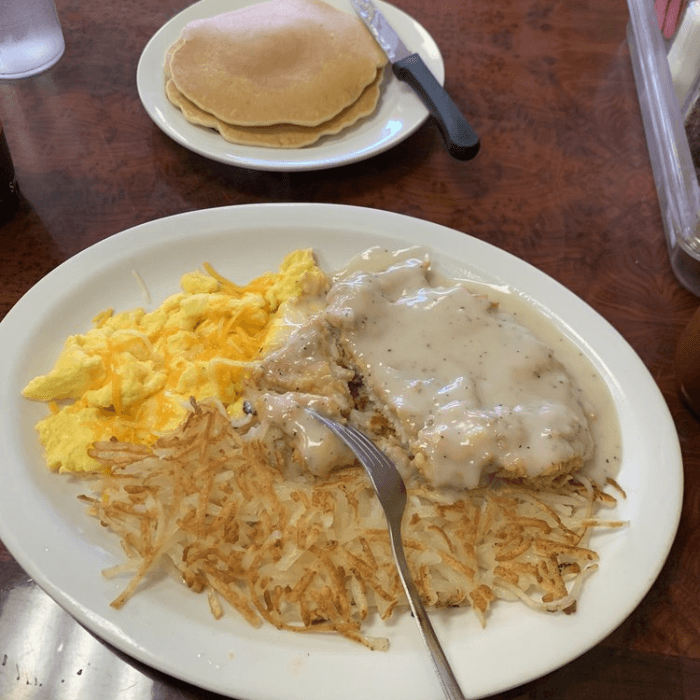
31	39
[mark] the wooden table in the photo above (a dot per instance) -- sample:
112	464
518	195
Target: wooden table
563	181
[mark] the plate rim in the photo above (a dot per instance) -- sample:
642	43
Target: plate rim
342	218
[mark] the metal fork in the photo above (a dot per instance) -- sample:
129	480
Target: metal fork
391	492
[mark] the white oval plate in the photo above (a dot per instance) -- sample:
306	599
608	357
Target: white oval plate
399	112
168	627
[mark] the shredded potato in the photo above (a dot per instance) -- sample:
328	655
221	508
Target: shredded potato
313	554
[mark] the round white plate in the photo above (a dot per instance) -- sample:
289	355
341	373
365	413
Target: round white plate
399	112
170	628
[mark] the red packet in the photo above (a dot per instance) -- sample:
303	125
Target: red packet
668	13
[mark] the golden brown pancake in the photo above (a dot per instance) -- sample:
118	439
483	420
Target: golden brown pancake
279	135
296	62
168	58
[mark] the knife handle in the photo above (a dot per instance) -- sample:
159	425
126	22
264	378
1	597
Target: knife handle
461	140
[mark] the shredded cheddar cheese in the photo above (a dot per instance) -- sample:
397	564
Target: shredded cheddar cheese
132	375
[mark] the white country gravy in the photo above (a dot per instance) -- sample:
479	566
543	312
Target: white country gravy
469	388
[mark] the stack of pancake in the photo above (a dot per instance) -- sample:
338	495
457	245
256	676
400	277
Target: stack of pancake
279	74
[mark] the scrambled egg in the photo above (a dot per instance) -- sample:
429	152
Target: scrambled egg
132	375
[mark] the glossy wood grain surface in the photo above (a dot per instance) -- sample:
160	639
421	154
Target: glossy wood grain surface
563	181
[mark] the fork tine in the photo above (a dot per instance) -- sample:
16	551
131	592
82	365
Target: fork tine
386	480
368	446
353	438
363	447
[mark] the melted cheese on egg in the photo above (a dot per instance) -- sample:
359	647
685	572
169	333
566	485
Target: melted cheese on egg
131	375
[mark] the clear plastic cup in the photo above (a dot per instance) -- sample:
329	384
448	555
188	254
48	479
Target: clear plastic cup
31	39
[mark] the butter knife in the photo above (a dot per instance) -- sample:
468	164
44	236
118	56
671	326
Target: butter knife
459	137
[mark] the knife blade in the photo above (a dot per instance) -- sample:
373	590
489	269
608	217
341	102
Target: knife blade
461	140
